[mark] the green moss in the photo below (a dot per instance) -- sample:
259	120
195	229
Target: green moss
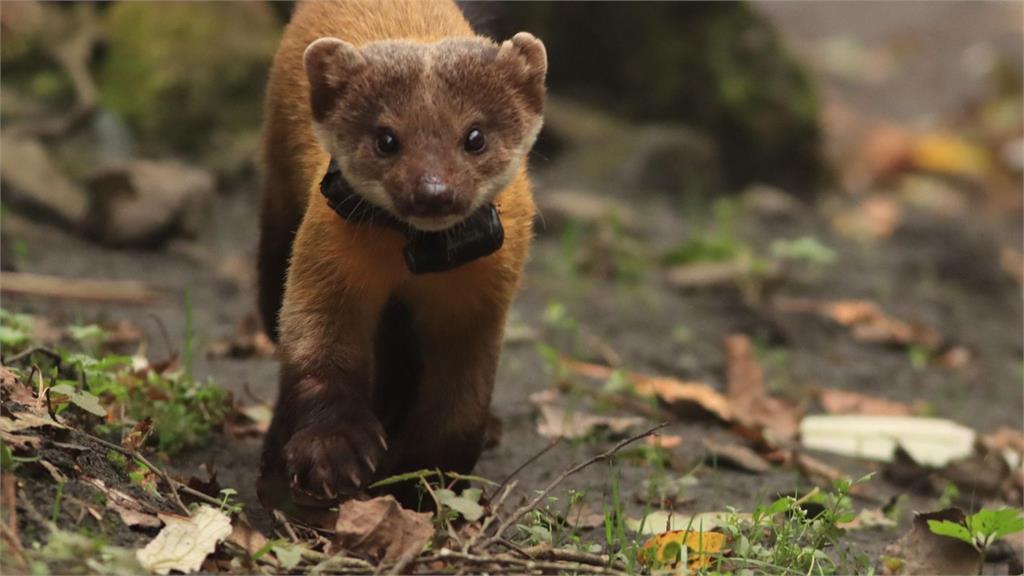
180	72
720	67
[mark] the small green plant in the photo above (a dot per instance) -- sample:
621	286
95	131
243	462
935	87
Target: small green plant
228	502
805	249
184	410
790	535
982	529
15	331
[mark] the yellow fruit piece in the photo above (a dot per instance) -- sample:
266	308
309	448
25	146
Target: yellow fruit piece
695	548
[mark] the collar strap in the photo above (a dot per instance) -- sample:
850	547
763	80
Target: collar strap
479	235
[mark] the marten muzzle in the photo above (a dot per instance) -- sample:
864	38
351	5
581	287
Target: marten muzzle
477	236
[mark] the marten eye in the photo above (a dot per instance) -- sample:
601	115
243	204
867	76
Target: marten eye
387	143
475	141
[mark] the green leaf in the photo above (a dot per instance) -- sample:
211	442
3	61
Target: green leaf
952	530
87	332
994	524
82	399
468	508
289	555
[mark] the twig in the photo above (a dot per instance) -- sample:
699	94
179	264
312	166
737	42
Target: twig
280	517
524	565
522	510
546	551
67	288
528	461
33	350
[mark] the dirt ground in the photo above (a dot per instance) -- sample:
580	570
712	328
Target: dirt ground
944	271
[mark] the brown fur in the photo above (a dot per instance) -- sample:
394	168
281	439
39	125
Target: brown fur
361	339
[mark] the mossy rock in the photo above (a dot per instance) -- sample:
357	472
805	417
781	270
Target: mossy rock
719	67
180	72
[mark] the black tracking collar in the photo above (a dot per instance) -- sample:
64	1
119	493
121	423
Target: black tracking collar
479	235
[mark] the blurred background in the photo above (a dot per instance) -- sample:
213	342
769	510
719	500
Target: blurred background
705	169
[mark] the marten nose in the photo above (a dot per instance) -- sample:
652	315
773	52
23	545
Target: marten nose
432	197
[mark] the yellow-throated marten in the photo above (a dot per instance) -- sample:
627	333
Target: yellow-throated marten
396	220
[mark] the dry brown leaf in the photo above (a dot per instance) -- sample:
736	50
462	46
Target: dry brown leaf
876	217
815	470
923	552
666	441
132	518
127	507
381	530
753	407
246	537
558	422
737	455
686	398
845	402
866	321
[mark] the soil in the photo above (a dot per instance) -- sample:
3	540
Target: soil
943	271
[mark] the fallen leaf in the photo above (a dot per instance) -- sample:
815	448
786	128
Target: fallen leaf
246	537
290	555
686	398
930	441
920	551
816	471
875	217
866	321
138	434
80	398
557	422
380	530
753	407
661	521
845	402
868	518
683	398
946	153
666	441
184	543
132	518
736	455
465	505
667	549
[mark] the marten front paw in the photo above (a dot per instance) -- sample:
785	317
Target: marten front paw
327	460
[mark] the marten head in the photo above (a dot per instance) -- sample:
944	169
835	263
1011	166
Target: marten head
428	132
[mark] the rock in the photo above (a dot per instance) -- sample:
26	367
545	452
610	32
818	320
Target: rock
32	181
718	67
146	202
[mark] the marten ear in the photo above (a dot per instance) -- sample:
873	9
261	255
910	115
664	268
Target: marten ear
331	64
527	61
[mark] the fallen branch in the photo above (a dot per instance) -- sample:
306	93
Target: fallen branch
522	510
65	288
